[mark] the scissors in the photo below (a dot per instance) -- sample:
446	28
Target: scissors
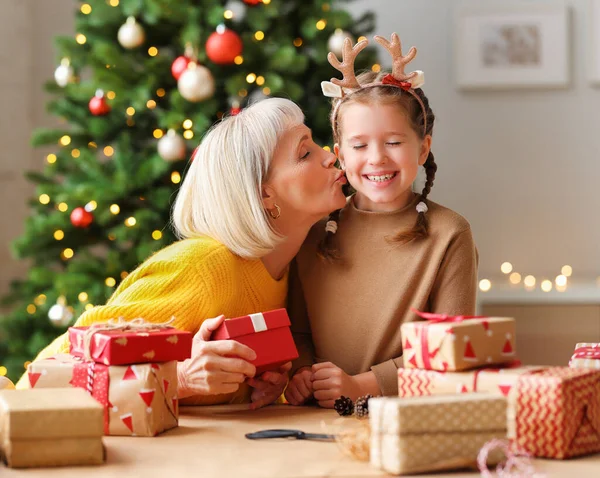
283	433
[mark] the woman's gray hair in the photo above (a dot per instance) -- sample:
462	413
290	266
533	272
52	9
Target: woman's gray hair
221	195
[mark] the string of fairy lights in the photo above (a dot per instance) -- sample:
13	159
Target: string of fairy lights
529	283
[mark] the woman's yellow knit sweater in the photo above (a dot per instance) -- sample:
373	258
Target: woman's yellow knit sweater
191	280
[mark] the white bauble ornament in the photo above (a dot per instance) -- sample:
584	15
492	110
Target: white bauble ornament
336	41
6	384
131	34
196	83
256	96
64	74
171	146
237	9
60	315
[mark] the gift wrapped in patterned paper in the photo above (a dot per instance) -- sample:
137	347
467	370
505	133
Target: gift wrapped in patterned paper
555	413
40	428
120	342
586	355
139	400
426	434
414	382
455	343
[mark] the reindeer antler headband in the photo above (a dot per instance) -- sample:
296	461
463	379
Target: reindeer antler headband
349	84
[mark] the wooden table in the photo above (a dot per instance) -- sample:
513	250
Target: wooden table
210	443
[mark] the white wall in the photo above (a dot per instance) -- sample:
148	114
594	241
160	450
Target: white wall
522	166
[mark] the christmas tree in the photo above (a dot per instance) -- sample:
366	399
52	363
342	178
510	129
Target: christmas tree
135	89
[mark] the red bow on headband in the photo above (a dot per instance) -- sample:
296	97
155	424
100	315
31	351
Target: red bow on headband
390	80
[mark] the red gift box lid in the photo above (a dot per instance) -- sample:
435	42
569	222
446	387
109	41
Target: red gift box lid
250	324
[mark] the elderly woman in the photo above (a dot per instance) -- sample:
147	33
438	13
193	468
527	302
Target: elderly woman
257	184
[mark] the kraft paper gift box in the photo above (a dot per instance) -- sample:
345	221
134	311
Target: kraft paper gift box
426	434
138	400
124	343
586	355
267	333
555	413
60	427
413	382
458	343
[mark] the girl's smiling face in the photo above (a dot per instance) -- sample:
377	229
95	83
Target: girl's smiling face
381	154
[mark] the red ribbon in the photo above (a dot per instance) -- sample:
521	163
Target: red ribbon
426	354
390	80
435	318
587	353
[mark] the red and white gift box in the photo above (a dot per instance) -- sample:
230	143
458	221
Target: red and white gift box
138	400
267	333
455	343
586	355
130	345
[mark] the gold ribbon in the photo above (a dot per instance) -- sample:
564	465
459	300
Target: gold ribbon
120	324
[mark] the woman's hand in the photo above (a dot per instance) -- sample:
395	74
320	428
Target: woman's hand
300	388
215	367
269	386
330	382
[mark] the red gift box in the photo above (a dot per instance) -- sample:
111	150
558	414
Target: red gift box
267	333
125	343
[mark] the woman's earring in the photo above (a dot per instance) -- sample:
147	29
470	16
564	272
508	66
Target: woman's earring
275	216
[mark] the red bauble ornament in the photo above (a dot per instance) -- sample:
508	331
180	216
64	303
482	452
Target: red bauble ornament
81	218
179	66
252	2
223	46
98	105
235	110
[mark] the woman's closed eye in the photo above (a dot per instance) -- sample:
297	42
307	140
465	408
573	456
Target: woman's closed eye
305	155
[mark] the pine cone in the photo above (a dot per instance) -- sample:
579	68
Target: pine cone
362	406
344	406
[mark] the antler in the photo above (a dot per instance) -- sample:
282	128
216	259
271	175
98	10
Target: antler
346	67
399	62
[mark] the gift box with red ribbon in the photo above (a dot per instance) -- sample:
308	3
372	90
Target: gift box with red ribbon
555	413
586	355
414	382
267	333
118	342
454	343
138	400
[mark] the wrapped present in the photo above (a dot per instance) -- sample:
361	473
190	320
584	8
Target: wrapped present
426	434
555	413
457	343
50	428
414	382
586	355
268	334
139	400
118	342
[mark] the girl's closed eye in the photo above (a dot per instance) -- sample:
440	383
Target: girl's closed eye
358	146
394	143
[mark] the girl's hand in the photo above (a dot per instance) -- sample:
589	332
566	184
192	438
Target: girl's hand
215	367
330	382
269	386
300	388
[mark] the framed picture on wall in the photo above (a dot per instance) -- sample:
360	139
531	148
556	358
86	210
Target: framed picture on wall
595	42
512	45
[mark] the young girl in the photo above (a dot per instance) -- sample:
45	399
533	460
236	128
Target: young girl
387	251
256	185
